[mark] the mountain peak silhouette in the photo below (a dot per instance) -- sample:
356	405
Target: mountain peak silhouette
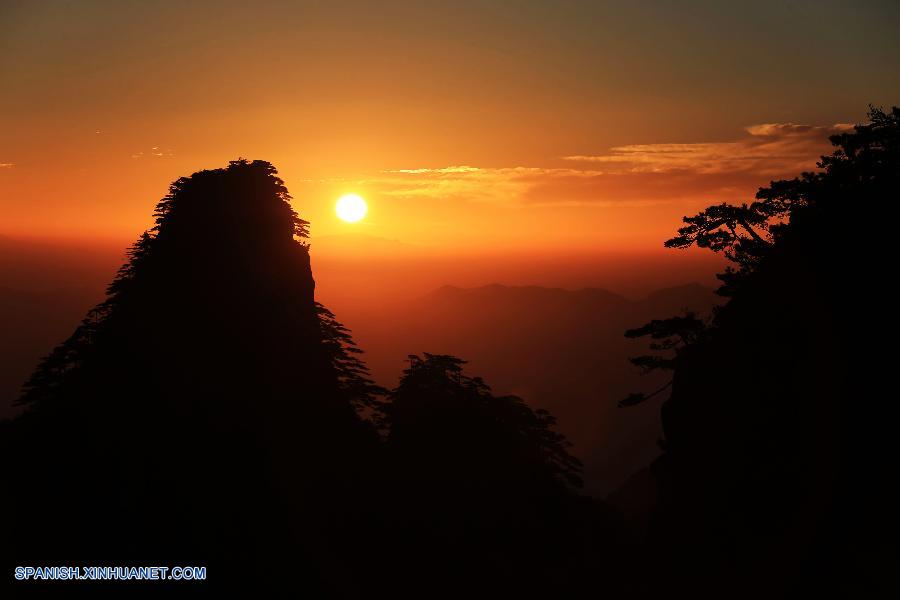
209	352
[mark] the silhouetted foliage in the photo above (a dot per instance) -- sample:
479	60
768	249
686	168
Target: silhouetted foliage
353	377
671	337
209	390
439	412
737	231
778	464
484	490
211	412
745	234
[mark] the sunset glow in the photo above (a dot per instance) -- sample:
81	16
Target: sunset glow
490	132
607	330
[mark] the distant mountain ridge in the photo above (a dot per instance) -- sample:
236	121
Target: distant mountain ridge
448	292
688	291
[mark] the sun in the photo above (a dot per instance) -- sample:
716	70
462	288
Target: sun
351	208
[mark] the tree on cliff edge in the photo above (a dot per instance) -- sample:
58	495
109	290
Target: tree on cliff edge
777	478
204	404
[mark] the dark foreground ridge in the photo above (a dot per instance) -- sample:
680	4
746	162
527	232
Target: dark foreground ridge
210	412
777	477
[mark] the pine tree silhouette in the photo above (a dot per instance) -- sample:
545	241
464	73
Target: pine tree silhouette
209	410
485	484
450	421
777	475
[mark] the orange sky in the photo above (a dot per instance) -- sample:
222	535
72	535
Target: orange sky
469	127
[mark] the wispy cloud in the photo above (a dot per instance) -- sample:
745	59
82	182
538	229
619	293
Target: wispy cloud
477	184
7	165
769	149
633	174
154	152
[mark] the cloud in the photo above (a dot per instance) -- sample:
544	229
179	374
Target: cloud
154	152
497	185
769	149
637	174
7	165
444	170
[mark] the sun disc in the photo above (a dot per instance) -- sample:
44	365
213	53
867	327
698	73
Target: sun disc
351	208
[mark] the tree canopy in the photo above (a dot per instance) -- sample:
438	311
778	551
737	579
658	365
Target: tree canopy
779	450
855	177
439	410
